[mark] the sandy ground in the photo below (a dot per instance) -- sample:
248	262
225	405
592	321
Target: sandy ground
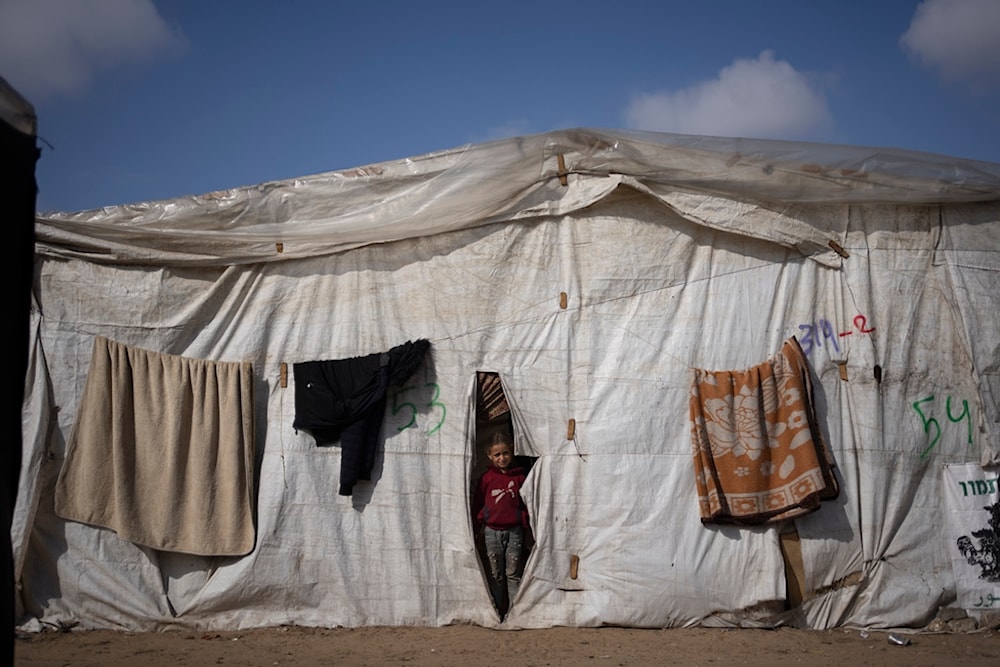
472	646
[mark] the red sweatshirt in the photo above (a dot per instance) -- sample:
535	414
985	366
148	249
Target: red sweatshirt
498	498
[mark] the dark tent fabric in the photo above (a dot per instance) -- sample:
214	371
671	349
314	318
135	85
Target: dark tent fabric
17	192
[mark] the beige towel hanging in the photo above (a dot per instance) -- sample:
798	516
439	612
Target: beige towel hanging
162	451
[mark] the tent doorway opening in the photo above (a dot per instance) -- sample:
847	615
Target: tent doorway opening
493	415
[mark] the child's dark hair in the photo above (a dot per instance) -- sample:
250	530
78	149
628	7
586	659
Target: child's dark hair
500	438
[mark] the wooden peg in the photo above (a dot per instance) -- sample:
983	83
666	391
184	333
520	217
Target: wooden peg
284	375
574	566
563	300
571	429
839	249
562	170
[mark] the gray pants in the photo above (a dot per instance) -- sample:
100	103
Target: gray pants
504	550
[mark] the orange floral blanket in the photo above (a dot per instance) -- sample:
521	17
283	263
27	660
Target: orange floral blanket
759	455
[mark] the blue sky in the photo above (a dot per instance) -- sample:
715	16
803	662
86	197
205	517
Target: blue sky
148	99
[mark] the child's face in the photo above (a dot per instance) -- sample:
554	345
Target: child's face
501	456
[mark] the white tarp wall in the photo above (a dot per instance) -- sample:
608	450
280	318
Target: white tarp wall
672	252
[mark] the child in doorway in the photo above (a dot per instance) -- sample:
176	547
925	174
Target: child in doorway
503	516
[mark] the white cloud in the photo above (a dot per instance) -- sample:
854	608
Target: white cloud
56	46
761	98
959	38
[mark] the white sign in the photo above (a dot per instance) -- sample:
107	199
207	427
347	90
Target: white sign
972	528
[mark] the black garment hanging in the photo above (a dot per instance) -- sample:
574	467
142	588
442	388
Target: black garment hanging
344	400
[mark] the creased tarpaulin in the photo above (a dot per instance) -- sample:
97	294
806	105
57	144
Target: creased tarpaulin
654	239
344	400
162	451
758	453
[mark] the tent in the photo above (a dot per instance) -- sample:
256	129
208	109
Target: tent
590	272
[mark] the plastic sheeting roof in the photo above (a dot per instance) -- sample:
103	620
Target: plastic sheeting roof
511	179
